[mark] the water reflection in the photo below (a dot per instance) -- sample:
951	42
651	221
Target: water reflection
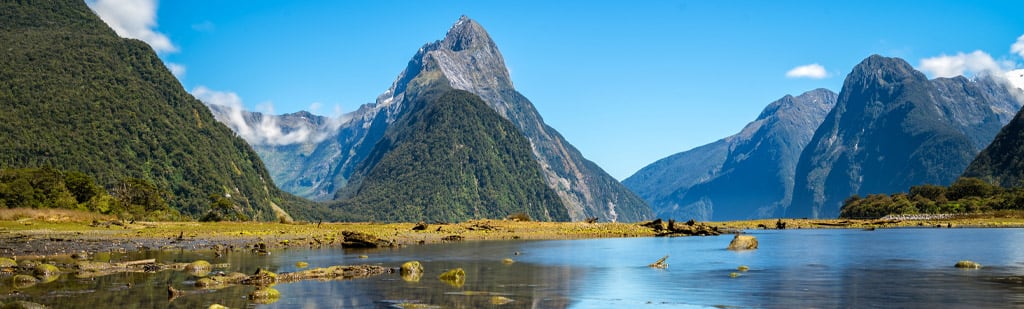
907	268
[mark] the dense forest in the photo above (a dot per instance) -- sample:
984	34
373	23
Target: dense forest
450	158
79	99
966	195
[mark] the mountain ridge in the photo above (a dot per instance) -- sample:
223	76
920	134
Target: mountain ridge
702	183
469	60
891	129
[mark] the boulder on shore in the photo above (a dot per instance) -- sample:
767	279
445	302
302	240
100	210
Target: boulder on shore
743	242
361	240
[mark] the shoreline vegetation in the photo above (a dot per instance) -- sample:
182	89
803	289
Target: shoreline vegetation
49	233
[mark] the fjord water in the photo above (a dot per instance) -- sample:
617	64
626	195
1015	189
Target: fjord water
903	268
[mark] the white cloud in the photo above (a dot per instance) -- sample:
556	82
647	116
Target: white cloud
1018	47
266	130
814	70
133	19
976	62
176	69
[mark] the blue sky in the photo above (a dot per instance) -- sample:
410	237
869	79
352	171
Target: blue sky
625	82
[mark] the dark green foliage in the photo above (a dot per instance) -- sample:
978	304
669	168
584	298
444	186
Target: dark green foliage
1002	161
221	209
966	195
51	188
451	158
970	187
77	97
36	188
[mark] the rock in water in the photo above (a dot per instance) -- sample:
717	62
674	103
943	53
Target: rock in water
743	242
411	271
967	264
455	277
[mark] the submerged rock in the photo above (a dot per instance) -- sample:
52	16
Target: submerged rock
743	242
7	263
23	281
45	270
455	277
301	264
199	268
967	264
265	295
743	268
411	271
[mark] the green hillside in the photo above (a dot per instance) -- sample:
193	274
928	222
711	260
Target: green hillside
451	158
76	97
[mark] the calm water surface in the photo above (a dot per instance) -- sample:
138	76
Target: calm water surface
891	268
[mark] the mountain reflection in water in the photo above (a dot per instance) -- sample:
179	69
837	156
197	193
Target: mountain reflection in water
906	268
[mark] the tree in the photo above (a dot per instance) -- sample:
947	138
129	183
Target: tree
929	191
970	187
81	186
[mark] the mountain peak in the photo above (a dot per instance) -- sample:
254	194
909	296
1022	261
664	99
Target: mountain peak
883	70
467	34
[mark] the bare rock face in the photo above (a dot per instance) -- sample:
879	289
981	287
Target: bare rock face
471	61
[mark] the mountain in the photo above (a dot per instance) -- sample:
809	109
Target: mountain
450	158
77	97
744	176
1002	161
891	129
468	59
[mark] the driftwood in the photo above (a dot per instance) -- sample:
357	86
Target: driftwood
660	263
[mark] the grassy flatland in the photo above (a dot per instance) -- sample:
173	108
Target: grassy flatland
54	232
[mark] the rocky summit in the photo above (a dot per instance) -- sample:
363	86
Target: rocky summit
467	59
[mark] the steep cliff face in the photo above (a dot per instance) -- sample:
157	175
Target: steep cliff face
744	176
469	60
892	128
1002	161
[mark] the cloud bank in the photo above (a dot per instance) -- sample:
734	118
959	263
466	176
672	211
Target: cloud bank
1018	47
266	128
133	19
813	71
980	63
977	62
